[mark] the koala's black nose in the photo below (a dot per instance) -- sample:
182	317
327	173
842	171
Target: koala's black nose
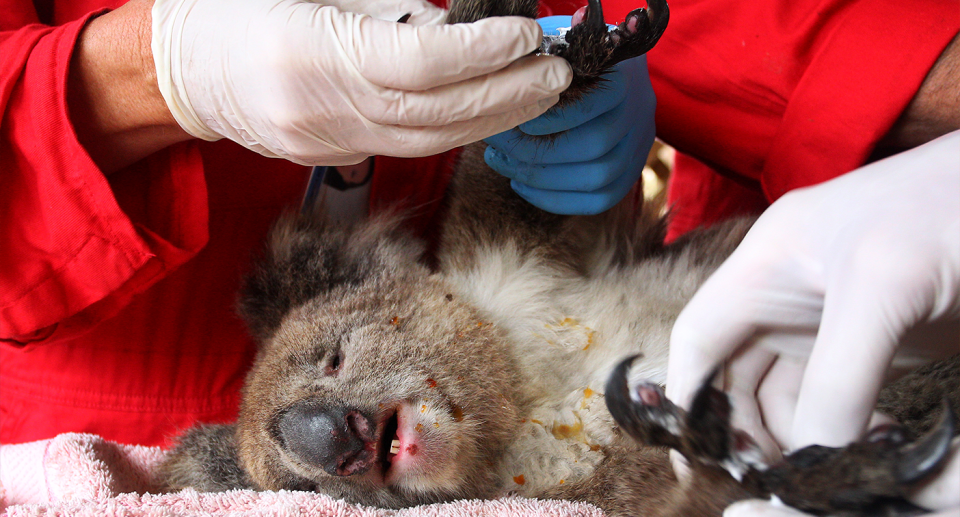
340	440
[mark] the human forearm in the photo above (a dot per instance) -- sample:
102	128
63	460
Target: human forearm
115	104
934	111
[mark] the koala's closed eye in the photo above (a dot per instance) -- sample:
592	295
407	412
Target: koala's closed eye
328	361
334	361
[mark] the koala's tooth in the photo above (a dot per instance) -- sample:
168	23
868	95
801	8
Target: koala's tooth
395	446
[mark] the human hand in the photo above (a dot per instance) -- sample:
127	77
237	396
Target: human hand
599	152
833	285
421	12
316	84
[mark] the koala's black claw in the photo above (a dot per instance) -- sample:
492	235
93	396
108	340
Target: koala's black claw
589	47
709	435
926	455
643	411
592	50
640	30
594	18
871	476
868	477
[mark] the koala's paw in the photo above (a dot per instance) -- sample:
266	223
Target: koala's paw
643	410
868	477
592	48
205	458
872	476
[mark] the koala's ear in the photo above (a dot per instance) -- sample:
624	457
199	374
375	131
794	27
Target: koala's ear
308	256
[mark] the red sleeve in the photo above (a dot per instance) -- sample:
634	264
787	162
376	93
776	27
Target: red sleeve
787	94
71	255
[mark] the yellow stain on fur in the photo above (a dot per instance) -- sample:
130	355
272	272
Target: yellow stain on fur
587	393
564	431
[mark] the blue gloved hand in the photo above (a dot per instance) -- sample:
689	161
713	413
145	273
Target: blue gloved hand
600	153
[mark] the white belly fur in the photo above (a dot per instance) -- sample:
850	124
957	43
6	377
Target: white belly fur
568	333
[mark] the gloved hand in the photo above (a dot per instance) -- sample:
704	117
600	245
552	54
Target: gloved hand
833	285
599	156
317	84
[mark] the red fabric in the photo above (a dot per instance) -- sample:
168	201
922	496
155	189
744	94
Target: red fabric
709	199
116	293
781	95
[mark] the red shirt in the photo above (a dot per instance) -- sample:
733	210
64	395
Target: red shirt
116	293
773	96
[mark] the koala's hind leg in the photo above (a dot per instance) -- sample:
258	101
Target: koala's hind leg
484	213
634	481
205	458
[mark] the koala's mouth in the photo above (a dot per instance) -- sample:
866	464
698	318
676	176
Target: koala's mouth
389	441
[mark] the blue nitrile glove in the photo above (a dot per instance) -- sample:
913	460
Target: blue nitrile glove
601	152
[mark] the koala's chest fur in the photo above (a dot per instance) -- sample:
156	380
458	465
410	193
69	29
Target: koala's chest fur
566	340
566	328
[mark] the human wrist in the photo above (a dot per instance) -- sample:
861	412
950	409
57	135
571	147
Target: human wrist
166	34
115	104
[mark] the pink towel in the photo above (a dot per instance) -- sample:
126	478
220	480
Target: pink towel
79	475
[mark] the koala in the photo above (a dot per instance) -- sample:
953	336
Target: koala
525	355
388	382
389	378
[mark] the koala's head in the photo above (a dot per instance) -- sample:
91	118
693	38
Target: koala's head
374	382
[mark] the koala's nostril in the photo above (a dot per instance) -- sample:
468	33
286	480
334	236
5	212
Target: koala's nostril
339	440
361	426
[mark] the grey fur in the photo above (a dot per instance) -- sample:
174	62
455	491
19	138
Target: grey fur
405	332
352	317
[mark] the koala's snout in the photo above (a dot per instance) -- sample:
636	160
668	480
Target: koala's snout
342	441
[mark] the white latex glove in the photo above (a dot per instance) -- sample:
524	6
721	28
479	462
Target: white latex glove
832	284
317	84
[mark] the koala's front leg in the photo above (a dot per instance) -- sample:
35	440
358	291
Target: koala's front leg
205	458
630	481
869	477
